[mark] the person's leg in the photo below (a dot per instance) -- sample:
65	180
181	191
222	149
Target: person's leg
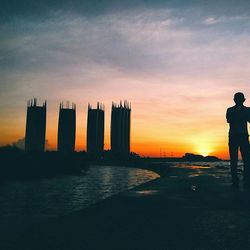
245	153
233	151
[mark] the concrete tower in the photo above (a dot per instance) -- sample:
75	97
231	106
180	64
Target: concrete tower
120	128
95	130
66	128
35	127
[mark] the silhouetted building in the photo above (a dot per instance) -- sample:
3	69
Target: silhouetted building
66	128
35	127
95	130
120	128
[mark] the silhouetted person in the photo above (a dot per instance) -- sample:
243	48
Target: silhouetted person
238	116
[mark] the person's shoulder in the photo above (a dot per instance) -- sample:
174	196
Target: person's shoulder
231	108
247	110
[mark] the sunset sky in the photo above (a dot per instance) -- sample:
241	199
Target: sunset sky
178	63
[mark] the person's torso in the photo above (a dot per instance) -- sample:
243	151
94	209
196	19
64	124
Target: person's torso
238	118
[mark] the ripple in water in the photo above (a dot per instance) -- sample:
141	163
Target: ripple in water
25	203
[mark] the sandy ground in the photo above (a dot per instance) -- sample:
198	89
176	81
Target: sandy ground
190	208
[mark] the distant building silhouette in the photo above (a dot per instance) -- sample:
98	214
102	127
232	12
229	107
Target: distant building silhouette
35	127
95	130
120	128
66	128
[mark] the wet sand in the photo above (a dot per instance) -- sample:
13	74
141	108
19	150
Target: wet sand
189	208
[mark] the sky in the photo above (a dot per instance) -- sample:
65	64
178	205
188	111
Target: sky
177	62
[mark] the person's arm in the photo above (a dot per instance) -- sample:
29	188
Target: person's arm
228	116
248	114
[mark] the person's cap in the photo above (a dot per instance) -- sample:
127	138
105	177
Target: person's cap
239	96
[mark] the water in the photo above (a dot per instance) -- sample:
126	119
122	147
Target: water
23	203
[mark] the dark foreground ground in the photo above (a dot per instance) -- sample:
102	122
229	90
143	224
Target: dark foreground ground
192	208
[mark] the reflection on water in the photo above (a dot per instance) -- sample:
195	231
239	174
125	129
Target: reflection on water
28	202
146	192
195	169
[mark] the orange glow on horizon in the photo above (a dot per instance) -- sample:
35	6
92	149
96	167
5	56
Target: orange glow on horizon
144	149
161	143
155	149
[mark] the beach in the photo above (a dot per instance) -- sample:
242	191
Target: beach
191	207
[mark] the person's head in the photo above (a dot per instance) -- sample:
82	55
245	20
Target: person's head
239	98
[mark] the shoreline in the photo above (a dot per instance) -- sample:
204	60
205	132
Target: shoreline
20	165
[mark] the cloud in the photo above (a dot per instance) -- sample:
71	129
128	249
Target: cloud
138	41
75	51
211	20
225	19
75	57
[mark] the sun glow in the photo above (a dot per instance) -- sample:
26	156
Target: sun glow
203	146
204	151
